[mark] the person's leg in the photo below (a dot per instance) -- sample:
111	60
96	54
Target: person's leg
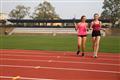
93	43
79	44
83	45
97	46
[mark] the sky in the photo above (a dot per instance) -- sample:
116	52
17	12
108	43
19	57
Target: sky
66	9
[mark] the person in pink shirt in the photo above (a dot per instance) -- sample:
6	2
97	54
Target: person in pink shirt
81	29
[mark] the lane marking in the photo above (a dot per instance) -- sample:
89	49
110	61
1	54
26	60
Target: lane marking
62	54
26	78
68	69
57	61
66	57
58	56
50	60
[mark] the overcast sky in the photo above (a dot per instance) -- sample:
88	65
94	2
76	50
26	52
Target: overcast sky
66	9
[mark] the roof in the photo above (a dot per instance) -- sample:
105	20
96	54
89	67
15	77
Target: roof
53	21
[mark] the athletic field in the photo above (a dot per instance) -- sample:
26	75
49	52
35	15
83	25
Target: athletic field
110	44
47	57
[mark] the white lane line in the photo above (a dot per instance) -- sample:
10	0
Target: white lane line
25	78
60	54
55	68
57	61
67	57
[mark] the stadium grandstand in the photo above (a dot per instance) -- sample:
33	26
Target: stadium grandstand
27	26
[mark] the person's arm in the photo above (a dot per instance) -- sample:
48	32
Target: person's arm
76	27
91	26
101	26
87	26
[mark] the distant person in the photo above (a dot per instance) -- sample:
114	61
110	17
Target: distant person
96	35
81	29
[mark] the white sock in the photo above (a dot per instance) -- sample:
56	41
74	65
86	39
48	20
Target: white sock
95	54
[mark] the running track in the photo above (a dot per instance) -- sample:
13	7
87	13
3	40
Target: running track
54	65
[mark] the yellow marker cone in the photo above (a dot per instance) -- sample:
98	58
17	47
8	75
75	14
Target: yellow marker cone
37	67
16	78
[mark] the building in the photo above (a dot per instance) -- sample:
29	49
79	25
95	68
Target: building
3	16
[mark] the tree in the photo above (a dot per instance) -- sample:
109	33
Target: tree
19	12
45	11
111	10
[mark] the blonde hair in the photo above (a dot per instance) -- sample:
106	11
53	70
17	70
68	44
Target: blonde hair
96	14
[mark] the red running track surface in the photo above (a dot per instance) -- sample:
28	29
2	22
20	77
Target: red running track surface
57	65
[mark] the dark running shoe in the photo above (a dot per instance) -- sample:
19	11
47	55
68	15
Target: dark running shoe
78	53
83	54
95	57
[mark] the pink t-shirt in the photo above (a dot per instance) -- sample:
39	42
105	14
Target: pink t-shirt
82	28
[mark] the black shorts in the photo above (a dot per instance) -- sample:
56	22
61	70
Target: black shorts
96	33
82	35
